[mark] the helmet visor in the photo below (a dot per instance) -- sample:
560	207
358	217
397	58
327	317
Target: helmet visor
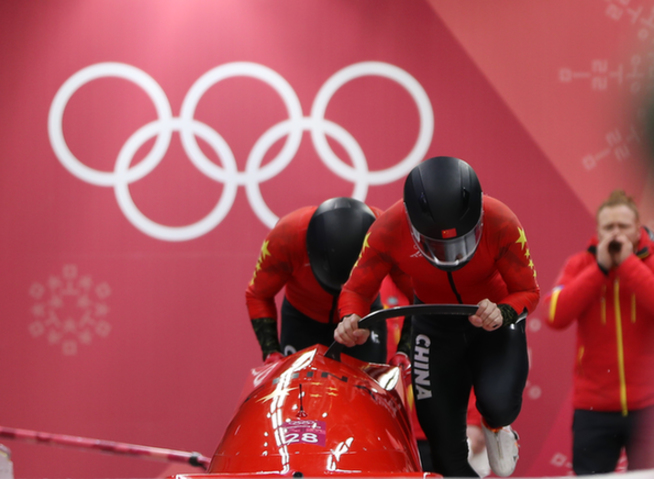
448	254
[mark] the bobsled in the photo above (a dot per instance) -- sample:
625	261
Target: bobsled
319	412
316	413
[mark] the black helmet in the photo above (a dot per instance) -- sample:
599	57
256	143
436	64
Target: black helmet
443	201
334	238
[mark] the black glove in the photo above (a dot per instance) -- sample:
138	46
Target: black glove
266	331
509	315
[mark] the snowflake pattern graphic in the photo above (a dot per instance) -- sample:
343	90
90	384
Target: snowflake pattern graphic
69	310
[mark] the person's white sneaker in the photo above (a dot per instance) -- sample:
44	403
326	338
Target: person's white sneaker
502	447
479	461
6	466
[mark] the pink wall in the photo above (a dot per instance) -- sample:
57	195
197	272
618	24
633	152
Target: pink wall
123	278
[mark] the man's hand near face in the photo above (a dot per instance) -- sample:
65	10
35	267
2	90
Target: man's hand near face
613	250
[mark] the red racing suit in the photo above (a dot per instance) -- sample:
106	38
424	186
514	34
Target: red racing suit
450	357
500	270
614	369
284	261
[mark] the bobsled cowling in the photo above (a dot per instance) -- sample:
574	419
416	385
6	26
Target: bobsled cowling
309	415
322	413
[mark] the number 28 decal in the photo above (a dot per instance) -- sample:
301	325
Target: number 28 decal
304	432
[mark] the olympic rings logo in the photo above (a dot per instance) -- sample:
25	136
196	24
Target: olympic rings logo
189	128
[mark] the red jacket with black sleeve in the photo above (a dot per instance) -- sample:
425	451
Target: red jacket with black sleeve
614	313
500	270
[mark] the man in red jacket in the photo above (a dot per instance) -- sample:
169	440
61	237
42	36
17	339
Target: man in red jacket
310	252
454	245
609	291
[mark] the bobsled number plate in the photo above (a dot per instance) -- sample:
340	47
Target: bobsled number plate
304	432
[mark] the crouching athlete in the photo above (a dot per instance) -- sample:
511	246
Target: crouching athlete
311	252
457	246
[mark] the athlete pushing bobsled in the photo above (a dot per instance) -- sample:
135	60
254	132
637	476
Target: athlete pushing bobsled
455	245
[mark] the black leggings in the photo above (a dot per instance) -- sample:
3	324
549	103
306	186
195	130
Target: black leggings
300	331
449	357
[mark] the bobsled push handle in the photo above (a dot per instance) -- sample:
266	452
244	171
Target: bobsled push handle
334	351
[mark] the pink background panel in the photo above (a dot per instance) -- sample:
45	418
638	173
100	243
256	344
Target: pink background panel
151	342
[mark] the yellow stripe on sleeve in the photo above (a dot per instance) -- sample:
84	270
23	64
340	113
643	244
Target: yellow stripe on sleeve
555	297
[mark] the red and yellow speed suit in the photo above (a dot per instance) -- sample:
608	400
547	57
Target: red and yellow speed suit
309	313
614	370
450	355
500	270
284	261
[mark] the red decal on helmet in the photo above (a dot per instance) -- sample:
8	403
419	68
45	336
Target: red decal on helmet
451	233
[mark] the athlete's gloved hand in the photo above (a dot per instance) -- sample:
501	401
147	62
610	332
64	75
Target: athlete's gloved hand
403	362
266	332
272	358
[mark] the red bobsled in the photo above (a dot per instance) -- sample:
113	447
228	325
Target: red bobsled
315	413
